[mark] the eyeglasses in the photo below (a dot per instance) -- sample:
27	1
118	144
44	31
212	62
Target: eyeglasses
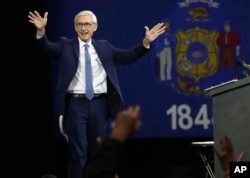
85	25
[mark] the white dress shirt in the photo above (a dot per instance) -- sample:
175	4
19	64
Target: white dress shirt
99	75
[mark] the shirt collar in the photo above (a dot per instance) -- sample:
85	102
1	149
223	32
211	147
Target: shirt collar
81	43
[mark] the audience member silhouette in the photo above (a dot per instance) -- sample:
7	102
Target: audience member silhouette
49	176
105	162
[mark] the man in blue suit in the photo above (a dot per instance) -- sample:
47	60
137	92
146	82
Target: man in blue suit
83	117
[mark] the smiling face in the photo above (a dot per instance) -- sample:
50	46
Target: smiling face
85	27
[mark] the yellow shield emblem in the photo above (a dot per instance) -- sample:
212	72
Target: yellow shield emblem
196	53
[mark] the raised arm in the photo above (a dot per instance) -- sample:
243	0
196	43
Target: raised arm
226	155
38	21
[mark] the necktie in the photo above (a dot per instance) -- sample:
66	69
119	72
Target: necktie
88	74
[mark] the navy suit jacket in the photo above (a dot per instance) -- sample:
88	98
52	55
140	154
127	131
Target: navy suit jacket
67	52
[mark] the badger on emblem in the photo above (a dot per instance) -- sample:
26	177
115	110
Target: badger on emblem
198	12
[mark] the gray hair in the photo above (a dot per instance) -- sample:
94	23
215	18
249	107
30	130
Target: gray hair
87	12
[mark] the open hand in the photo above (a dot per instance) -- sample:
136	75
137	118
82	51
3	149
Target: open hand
37	20
226	153
153	33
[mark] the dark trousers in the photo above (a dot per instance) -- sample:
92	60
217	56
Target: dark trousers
84	121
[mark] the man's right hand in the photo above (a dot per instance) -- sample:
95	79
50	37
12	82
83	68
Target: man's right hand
38	21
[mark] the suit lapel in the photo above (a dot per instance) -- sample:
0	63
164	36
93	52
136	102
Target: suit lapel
100	50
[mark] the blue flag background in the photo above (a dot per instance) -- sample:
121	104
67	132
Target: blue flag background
169	82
